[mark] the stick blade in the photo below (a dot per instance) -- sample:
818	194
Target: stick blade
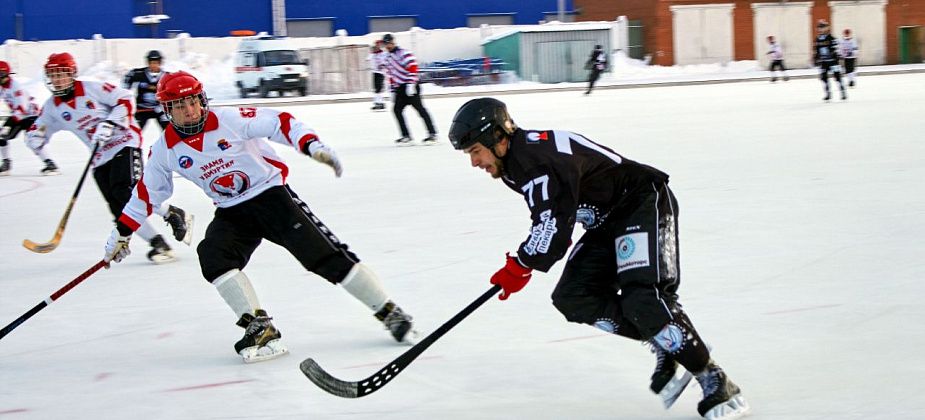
325	381
40	248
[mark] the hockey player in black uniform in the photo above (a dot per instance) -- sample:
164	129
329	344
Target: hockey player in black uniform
622	276
597	63
825	56
145	79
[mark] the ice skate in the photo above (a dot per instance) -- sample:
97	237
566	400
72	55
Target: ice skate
5	167
50	168
403	141
160	252
261	339
180	223
378	107
398	323
722	399
666	382
429	140
844	95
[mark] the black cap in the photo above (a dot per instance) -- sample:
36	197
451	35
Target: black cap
154	55
598	47
387	38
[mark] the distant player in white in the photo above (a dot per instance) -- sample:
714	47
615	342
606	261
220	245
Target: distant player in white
101	116
776	54
849	53
224	152
377	58
24	112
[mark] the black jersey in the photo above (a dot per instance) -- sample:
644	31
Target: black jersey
147	87
825	49
566	178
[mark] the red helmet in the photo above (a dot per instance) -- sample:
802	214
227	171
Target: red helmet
177	85
59	67
5	67
172	89
61	61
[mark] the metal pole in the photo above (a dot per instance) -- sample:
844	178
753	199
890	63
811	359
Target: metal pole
560	15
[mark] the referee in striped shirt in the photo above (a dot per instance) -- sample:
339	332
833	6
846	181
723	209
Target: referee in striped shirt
402	68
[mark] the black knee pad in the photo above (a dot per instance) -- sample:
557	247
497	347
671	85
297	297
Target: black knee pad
213	262
578	309
643	307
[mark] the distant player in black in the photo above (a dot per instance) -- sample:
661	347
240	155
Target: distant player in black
144	80
622	276
825	56
597	63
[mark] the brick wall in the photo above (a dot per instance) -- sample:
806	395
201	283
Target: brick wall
901	13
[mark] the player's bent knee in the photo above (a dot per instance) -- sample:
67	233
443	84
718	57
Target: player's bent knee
643	307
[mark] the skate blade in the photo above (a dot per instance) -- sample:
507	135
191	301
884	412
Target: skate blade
411	338
51	173
269	351
165	258
733	408
673	389
188	238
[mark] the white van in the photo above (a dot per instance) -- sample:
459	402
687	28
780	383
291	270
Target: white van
265	63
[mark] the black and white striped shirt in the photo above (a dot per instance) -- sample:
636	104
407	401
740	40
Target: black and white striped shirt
402	67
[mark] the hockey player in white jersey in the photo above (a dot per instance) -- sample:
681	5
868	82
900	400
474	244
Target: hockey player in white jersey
102	114
24	111
849	54
776	54
224	152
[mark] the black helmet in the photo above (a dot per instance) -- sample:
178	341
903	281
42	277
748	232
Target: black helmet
482	120
154	55
387	38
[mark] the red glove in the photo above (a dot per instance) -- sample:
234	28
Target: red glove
511	278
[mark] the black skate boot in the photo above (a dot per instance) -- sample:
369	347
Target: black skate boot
844	95
261	338
403	141
378	107
397	322
160	252
665	382
5	167
180	223
430	139
50	168
722	399
773	79
851	83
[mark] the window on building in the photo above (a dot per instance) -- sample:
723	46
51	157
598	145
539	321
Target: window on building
477	20
392	23
318	27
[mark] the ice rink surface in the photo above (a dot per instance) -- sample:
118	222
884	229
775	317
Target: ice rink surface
801	247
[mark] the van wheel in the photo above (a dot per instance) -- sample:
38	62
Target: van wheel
242	92
303	91
264	89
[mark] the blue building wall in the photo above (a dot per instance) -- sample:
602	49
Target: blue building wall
73	19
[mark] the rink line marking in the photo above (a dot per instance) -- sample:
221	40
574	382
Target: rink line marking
583	337
204	386
14	411
808	308
35	185
163	335
102	376
379	364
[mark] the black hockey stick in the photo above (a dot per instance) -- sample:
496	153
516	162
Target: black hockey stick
56	240
348	389
54	296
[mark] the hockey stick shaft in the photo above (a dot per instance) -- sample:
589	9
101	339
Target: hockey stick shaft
54	296
349	389
59	232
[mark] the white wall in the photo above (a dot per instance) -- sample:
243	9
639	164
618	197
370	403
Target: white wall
867	21
702	33
791	23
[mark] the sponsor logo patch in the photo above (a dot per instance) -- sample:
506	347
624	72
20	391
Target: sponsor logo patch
231	184
66	115
632	251
185	162
535	137
223	144
541	234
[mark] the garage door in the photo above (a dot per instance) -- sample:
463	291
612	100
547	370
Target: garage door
867	21
702	33
791	24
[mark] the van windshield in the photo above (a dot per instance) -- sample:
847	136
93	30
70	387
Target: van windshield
280	57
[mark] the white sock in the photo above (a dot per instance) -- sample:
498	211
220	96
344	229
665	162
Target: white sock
163	210
41	154
377	99
146	232
236	289
363	284
5	151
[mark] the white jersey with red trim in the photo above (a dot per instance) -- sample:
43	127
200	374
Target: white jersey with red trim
20	102
93	103
229	160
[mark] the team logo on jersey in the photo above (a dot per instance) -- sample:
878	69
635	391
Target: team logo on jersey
66	115
534	137
231	184
223	144
632	251
185	162
90	104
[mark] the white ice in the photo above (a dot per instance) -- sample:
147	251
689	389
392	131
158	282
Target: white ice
802	261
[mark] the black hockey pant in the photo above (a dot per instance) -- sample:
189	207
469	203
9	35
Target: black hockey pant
378	82
592	78
118	177
824	69
402	100
279	216
142	117
15	128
